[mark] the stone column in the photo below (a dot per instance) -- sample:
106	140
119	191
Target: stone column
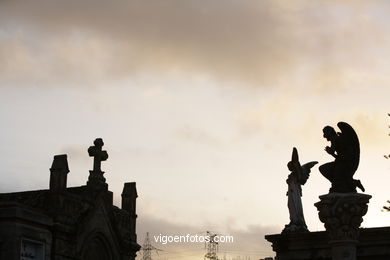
342	214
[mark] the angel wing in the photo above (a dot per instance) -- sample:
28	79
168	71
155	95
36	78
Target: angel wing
305	173
350	149
302	171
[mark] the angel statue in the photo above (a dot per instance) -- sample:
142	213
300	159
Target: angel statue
344	147
298	176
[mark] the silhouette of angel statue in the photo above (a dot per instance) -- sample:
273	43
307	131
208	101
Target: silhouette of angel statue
345	148
298	177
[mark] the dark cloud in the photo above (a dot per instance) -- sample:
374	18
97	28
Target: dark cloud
215	37
260	42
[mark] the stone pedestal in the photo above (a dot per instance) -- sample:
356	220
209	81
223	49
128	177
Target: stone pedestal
96	178
342	214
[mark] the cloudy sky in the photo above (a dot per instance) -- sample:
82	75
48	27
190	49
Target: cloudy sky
199	102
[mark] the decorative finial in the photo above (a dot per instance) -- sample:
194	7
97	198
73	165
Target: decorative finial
96	175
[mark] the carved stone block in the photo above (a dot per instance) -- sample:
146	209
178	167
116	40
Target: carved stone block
342	214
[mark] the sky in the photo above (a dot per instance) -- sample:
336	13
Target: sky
199	102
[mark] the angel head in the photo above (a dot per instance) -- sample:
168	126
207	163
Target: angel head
329	133
290	166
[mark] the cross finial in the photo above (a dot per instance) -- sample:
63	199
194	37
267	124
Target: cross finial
96	178
97	154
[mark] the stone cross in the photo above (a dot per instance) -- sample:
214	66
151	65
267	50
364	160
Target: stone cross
97	154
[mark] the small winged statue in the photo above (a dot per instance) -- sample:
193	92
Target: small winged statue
345	148
298	177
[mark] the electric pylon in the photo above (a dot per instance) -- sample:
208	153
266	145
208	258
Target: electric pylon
147	248
211	247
